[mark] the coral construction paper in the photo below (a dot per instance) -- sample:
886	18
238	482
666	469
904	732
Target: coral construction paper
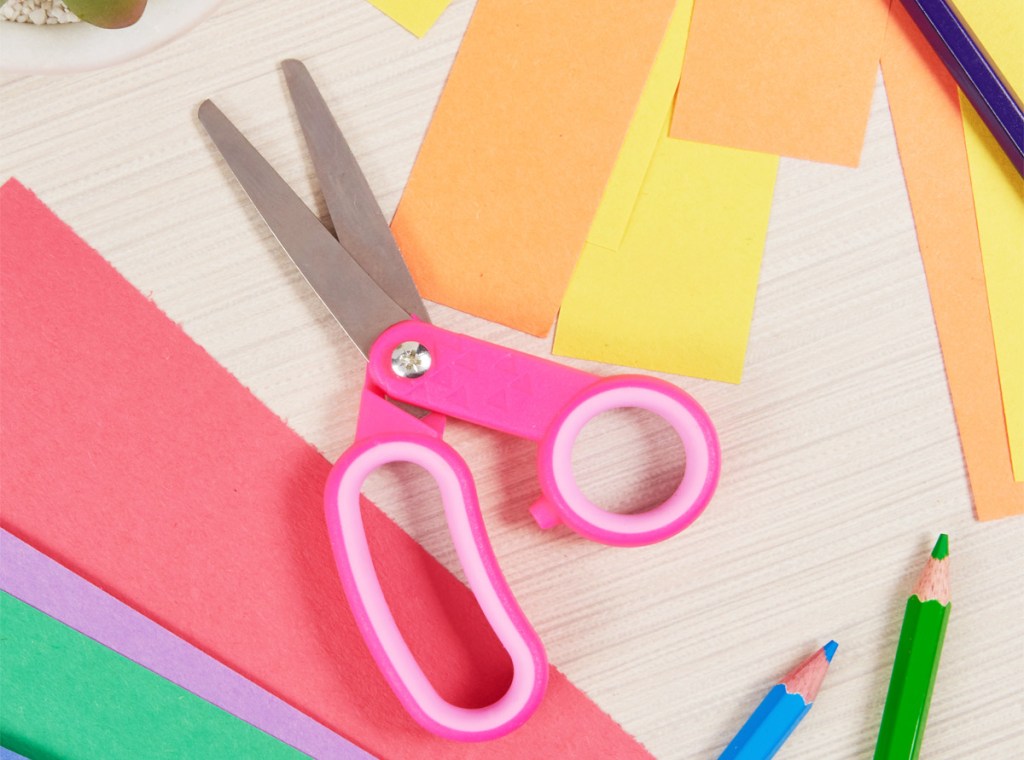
999	203
792	78
929	134
54	590
415	15
678	293
67	696
132	458
519	151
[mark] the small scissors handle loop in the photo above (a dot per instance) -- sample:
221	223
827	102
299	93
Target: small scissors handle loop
563	499
371	610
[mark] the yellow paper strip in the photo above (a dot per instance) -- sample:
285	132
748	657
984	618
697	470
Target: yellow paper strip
415	15
999	205
678	295
627	177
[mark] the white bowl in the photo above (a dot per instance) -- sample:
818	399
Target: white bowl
63	48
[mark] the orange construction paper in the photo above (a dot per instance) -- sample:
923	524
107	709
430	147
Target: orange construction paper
929	133
792	78
521	146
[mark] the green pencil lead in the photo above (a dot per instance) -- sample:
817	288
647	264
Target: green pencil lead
941	550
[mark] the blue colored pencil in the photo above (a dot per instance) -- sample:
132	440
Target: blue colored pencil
974	71
780	712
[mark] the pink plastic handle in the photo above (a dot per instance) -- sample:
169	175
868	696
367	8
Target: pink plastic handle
550	403
371	611
564	501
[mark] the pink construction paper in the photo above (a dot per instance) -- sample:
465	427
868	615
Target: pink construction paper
132	458
51	588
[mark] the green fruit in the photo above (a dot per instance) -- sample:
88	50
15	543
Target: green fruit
110	14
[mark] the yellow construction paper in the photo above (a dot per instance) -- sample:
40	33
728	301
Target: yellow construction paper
678	294
999	27
999	205
415	15
627	177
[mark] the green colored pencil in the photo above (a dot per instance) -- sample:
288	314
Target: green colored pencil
917	660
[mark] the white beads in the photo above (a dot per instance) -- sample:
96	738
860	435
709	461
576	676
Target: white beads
37	12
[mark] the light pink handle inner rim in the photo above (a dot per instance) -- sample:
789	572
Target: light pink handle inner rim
443	464
699	442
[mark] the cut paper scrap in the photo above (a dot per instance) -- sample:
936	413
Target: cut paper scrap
925	108
999	204
37	580
647	125
523	141
67	696
678	294
791	78
6	754
415	15
136	461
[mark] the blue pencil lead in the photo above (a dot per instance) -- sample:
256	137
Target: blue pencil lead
830	649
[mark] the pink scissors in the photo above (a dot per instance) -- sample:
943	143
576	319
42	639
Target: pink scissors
417	375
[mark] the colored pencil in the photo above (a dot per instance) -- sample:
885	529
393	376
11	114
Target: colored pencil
781	710
917	660
972	68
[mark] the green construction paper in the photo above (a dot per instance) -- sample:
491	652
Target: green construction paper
67	697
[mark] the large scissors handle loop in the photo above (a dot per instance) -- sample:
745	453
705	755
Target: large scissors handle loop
371	610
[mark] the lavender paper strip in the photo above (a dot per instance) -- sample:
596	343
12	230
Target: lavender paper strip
51	588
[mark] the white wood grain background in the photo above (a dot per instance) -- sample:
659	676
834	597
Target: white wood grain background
841	457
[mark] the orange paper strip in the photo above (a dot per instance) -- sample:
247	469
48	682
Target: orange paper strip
792	78
929	133
521	146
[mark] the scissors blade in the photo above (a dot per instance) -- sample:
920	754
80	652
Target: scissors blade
359	304
358	220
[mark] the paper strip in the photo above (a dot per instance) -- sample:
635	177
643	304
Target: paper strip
791	78
523	141
678	293
67	696
54	590
926	116
415	15
646	127
137	462
999	203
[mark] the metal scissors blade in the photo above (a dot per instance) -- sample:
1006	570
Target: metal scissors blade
359	304
358	220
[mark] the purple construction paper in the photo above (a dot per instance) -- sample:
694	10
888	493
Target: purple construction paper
41	582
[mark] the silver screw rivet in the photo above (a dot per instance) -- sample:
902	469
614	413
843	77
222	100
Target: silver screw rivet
410	359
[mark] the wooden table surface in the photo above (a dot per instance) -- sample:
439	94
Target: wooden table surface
841	456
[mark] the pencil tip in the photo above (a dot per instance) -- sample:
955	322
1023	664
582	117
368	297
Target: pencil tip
941	550
830	649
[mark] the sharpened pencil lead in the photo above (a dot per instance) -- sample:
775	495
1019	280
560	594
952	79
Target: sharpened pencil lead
830	649
941	550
